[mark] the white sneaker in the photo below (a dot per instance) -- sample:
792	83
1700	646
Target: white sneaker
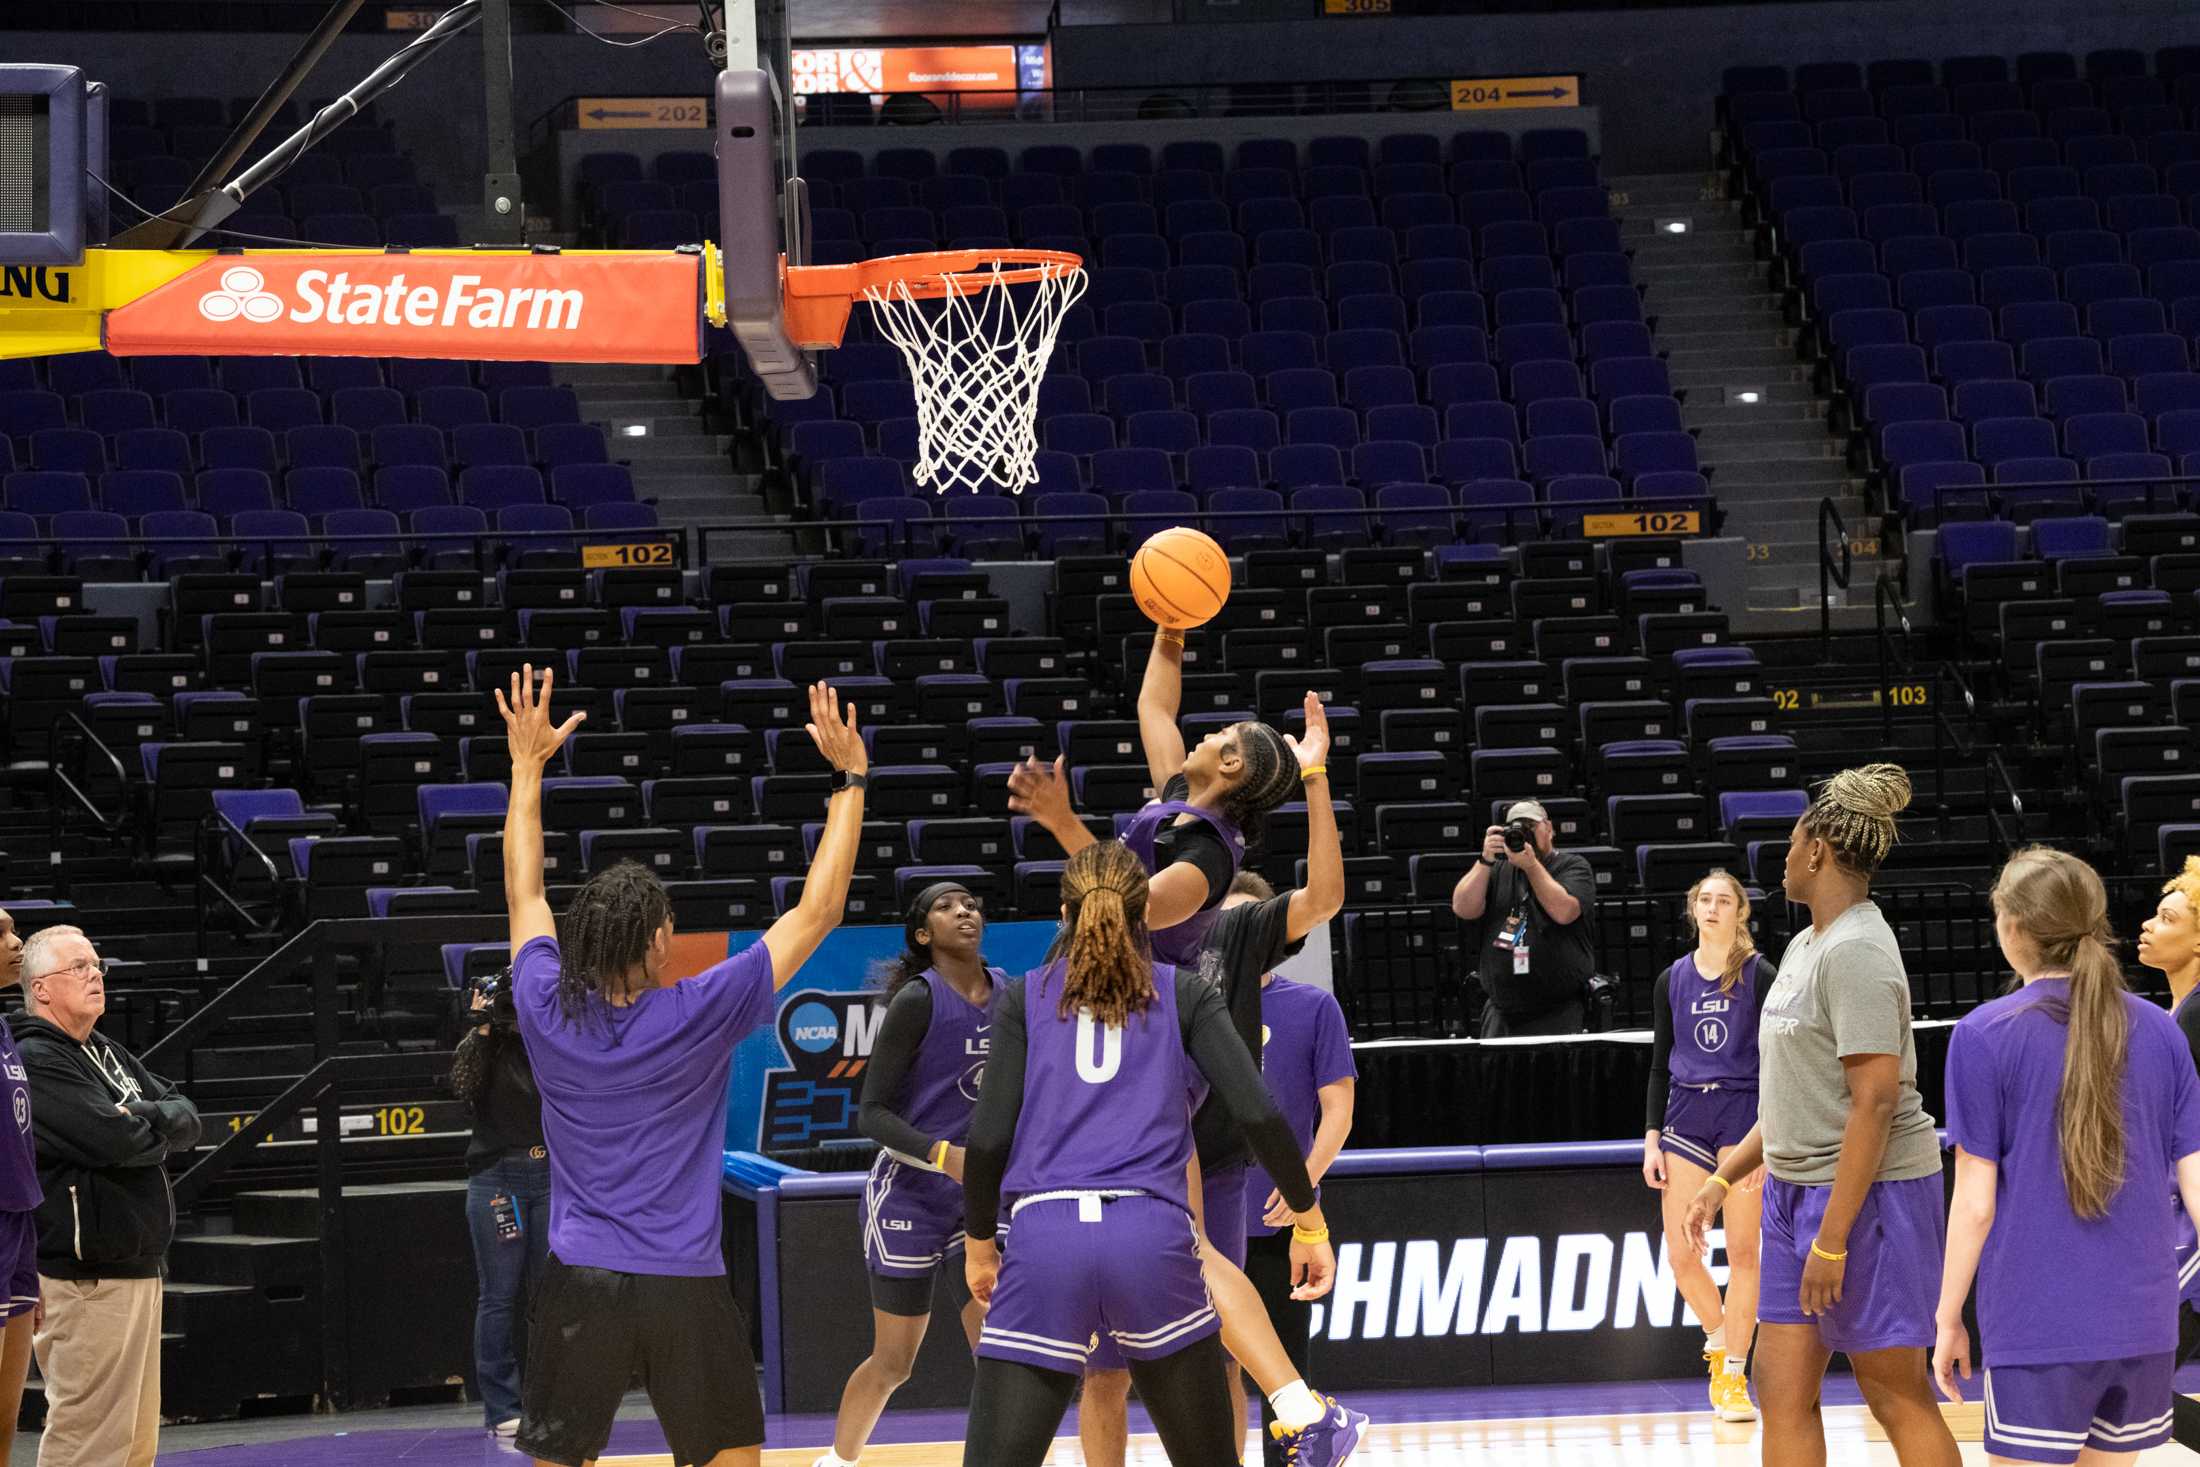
505	1430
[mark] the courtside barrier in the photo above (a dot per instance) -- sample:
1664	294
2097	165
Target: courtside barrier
1502	1265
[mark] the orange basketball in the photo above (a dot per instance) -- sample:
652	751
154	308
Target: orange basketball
1180	578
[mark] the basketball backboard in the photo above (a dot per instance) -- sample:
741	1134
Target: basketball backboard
763	208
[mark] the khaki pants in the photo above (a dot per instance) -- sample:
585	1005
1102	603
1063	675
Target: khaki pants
99	1354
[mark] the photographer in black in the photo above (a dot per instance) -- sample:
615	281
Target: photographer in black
1528	913
507	1188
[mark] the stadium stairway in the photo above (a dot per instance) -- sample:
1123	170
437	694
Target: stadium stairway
679	459
1773	460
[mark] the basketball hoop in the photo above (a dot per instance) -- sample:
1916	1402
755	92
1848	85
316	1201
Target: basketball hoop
976	347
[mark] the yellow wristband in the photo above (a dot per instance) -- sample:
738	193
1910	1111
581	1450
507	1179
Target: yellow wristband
1174	636
1302	1235
939	1153
1819	1252
1724	1184
1313	771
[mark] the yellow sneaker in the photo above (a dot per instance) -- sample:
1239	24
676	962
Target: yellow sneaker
1730	1396
1716	1359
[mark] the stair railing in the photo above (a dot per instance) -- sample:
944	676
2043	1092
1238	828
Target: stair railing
1890	618
323	1087
1830	572
208	844
67	795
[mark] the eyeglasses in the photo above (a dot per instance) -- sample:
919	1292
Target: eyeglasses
83	969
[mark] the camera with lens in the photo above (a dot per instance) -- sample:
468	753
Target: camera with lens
497	1003
1519	834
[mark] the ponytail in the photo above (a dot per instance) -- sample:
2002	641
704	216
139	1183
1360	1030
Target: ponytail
2089	1119
1104	935
2059	904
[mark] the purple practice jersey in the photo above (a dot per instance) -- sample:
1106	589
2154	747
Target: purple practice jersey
1181	943
1304	1046
1104	1108
634	1109
942	1084
1714	1033
2053	1288
19	1189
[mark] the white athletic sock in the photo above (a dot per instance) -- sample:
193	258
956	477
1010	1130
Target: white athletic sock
1736	1363
833	1459
1296	1406
1715	1339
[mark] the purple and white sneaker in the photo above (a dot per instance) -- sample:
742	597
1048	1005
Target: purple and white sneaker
1326	1443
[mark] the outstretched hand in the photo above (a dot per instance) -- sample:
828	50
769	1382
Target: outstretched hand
1041	791
527	727
1312	747
834	732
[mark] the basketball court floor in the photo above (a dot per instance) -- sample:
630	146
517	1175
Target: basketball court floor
1639	1424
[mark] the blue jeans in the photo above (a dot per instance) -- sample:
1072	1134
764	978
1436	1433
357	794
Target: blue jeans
508	1269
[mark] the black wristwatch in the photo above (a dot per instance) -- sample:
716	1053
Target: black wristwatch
843	780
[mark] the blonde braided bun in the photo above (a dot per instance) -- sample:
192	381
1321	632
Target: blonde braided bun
1853	813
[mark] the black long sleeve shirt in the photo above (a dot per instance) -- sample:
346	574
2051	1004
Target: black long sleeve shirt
893	1050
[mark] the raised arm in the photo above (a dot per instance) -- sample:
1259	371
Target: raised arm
796	935
1160	697
533	740
1322	897
1041	791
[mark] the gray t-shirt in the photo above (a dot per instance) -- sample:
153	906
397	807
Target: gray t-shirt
1840	992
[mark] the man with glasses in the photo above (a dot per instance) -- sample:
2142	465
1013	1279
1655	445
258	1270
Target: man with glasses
103	1126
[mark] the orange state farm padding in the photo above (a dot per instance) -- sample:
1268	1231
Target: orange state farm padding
643	308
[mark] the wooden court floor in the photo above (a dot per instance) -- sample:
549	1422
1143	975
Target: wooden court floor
1668	1440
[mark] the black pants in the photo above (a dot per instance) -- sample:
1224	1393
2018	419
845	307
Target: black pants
1567	1018
1015	1409
1268	1265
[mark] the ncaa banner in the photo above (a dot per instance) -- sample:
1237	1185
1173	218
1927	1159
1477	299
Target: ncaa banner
644	308
799	1082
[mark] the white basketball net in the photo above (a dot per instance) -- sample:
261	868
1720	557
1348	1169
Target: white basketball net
976	356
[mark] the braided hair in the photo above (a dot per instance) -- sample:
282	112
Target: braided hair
1104	935
606	934
1269	775
1854	812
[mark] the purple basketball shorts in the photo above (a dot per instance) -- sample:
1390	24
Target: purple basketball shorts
19	1257
1086	1268
1699	1124
1892	1280
912	1218
1223	1199
2046	1413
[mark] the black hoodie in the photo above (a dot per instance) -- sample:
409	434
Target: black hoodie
104	1126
